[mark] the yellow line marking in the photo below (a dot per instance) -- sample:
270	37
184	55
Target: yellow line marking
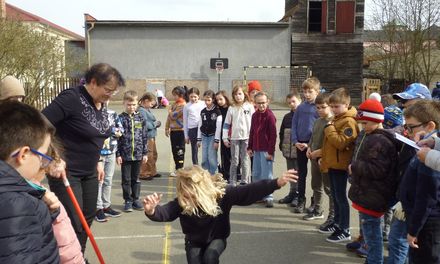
167	241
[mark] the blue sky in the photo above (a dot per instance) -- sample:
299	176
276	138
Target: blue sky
70	14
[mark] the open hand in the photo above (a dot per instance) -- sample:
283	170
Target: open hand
150	203
288	176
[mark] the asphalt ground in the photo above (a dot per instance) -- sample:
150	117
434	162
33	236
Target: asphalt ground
259	234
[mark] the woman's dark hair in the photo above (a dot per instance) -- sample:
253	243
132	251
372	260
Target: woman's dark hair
194	90
225	95
104	73
181	91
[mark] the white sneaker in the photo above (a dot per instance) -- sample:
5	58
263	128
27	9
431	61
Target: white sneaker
173	174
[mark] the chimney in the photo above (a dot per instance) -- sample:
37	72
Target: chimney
2	9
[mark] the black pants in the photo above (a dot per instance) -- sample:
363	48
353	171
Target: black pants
207	254
192	134
302	161
178	148
85	189
131	185
225	154
429	244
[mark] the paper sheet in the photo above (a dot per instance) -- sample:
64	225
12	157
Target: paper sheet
407	141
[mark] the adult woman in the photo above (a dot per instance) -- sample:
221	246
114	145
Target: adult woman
81	120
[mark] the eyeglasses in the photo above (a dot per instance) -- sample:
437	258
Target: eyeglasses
44	159
410	128
111	91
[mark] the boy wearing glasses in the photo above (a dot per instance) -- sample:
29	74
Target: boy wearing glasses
420	189
25	219
262	140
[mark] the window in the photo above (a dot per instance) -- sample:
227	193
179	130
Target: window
315	16
345	16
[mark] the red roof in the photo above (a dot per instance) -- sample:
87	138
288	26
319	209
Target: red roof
16	13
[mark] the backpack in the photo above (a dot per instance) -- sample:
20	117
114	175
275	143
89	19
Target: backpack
287	147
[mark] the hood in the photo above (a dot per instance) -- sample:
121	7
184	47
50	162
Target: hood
352	112
11	181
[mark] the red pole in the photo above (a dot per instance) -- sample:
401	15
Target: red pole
83	220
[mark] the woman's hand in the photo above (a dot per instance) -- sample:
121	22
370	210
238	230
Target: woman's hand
288	176
412	241
150	203
57	169
100	170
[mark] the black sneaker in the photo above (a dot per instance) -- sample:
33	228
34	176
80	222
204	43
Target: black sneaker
313	216
137	205
300	208
286	200
330	221
111	213
329	229
157	175
100	216
339	236
128	207
311	208
294	203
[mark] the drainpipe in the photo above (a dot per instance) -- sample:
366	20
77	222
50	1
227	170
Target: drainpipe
88	40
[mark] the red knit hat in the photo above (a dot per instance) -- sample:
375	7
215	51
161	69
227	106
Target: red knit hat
371	110
254	85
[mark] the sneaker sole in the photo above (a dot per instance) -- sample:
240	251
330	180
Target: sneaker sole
101	220
128	210
325	232
112	216
313	218
339	241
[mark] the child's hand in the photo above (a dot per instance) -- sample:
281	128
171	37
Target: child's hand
144	159
412	241
150	203
250	153
421	154
349	169
227	143
316	154
309	153
157	123
216	146
187	140
288	176
428	143
298	145
167	132
269	157
199	144
119	161
51	200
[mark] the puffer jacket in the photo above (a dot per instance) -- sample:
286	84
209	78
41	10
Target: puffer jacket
374	178
339	139
26	234
132	145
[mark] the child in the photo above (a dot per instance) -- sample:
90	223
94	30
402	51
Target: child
132	151
11	89
222	102
254	87
314	153
373	179
337	150
108	157
159	96
174	127
203	205
419	190
238	120
148	170
288	148
191	117
262	140
26	222
210	126
302	125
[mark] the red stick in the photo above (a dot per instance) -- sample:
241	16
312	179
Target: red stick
83	220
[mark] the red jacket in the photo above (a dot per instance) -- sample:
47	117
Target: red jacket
263	134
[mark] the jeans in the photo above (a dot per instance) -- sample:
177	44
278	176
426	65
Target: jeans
209	154
131	185
428	240
397	243
192	134
85	189
239	153
302	173
207	254
177	139
262	169
372	232
105	188
292	164
338	186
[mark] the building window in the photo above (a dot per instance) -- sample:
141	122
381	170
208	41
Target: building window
315	16
345	11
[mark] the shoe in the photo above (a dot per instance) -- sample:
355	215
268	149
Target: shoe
313	216
300	208
362	251
329	229
269	203
243	183
157	175
286	200
146	178
294	203
385	237
111	213
137	205
330	221
311	208
339	236
356	244
100	216
173	174
128	207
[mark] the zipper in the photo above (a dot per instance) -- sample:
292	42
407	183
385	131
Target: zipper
132	136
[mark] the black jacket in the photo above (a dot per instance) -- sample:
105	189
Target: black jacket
26	234
374	176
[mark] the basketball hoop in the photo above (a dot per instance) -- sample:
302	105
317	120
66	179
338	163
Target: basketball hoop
219	69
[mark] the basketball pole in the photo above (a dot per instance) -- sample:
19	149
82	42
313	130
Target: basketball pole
218	76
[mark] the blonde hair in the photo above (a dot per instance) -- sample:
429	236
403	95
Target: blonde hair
340	96
235	91
198	192
311	83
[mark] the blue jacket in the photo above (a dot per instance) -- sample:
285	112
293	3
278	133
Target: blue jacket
132	145
26	234
302	122
420	195
150	122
